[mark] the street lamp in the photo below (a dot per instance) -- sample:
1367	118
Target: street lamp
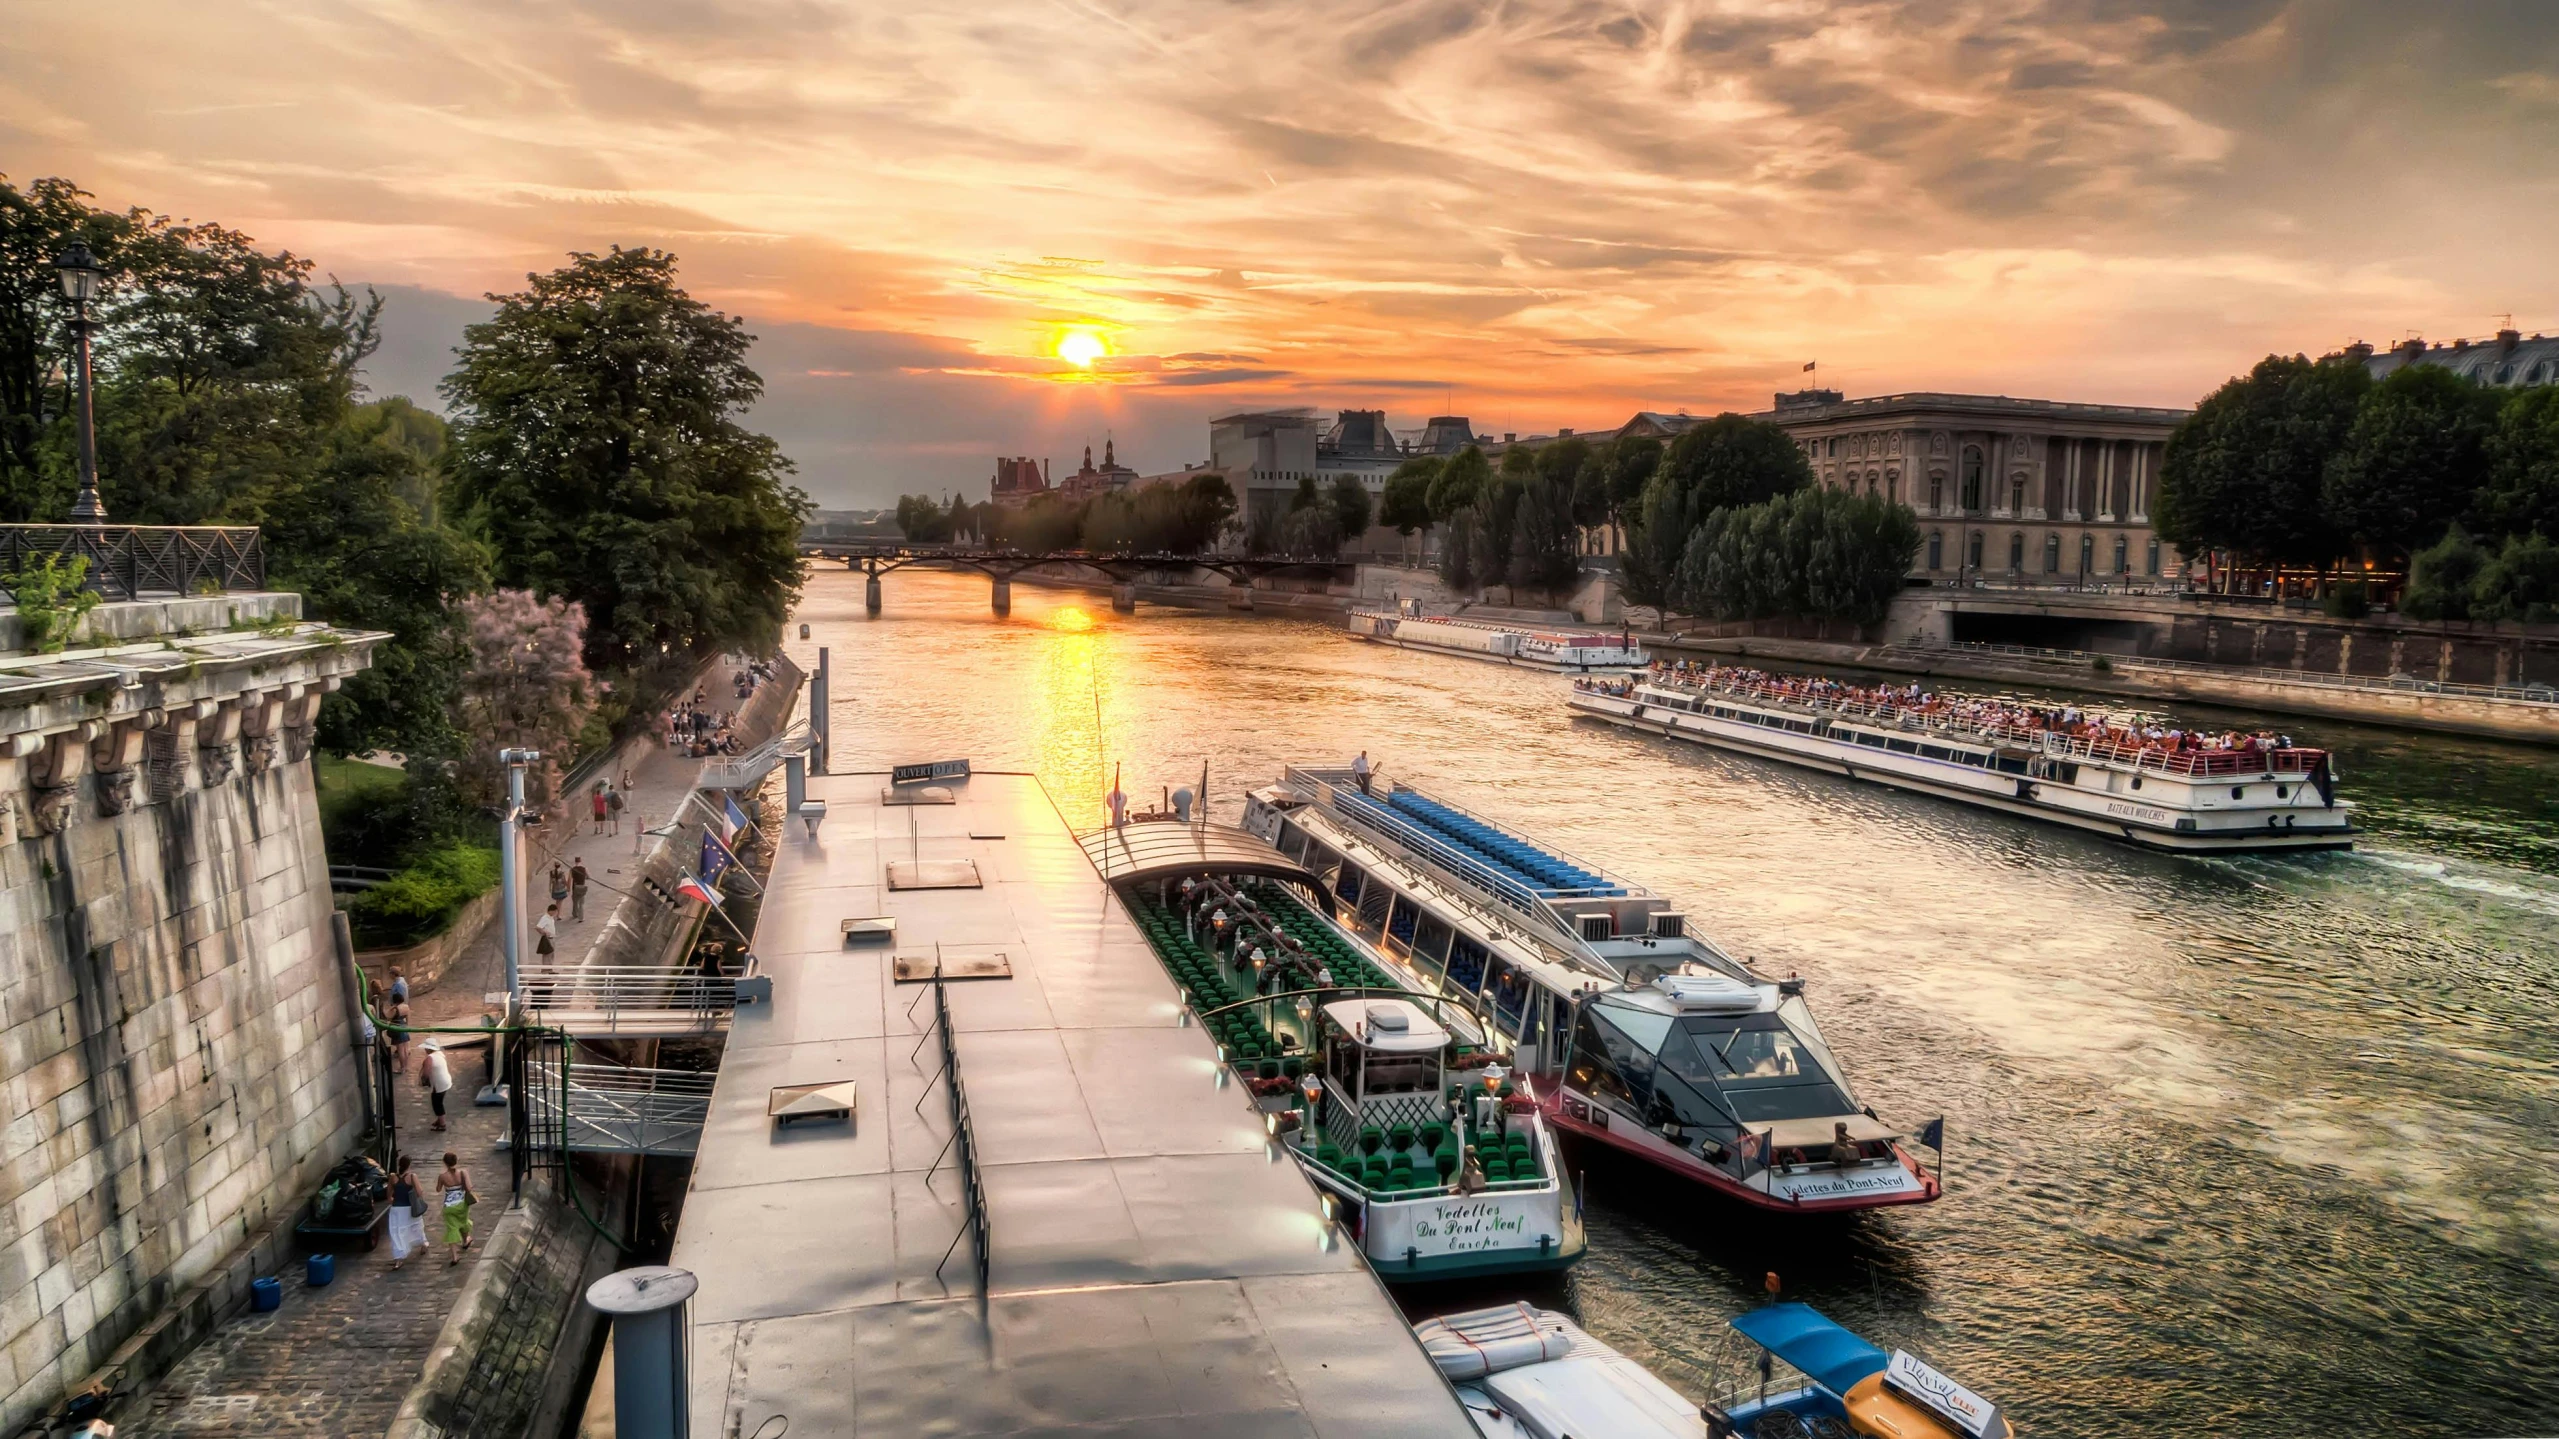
80	278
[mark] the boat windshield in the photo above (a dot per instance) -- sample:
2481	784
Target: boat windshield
1714	1073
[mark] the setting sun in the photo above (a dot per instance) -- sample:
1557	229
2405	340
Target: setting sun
1081	348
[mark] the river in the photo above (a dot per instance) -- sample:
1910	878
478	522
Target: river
2242	1146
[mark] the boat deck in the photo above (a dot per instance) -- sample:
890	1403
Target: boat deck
1154	1266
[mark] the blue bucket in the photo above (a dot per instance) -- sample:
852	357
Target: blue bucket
319	1269
266	1295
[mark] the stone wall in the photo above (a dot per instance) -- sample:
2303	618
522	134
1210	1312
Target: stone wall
174	1045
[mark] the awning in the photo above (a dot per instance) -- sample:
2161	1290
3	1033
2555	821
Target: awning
1170	849
1797	1333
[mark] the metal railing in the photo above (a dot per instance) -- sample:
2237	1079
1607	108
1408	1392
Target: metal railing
2402	684
605	1109
616	991
746	771
975	1227
131	561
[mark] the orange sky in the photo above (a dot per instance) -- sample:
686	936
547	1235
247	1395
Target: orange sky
1535	213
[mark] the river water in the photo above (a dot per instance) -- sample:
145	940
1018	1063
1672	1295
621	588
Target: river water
2243	1146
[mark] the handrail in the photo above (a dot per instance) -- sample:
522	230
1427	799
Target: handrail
964	1136
2526	694
130	561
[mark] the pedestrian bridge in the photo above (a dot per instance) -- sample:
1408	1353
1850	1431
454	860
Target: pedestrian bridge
597	1108
631	1001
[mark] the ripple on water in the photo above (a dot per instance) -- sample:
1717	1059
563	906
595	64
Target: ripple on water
2248	1146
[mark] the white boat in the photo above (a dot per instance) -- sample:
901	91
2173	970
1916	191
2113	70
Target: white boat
1631	1031
1380	1090
1564	651
2243	799
1529	1373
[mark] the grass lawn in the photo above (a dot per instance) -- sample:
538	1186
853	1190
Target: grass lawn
351	787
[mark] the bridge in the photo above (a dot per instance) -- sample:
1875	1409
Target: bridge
875	558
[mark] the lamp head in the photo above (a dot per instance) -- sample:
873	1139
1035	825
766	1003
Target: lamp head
79	272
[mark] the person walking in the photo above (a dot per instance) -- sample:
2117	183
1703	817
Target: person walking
1359	771
399	987
577	889
437	1078
597	795
454	1185
408	1228
613	806
546	931
396	1029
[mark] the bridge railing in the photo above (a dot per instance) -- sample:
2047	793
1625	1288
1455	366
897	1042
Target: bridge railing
131	561
616	990
602	1108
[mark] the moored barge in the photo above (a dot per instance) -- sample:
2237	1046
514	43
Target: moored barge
1563	651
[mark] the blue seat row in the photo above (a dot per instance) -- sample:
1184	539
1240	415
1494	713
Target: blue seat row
1533	867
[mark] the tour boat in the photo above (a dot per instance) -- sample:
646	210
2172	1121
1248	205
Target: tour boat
1566	651
1836	1383
1529	1373
1631	1031
2247	798
1381	1091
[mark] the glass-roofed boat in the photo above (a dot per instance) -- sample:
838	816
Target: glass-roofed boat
1403	1106
1631	1031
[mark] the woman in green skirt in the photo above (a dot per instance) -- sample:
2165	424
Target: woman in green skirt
454	1187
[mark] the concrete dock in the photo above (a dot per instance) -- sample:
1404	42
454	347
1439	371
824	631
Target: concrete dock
1153	1265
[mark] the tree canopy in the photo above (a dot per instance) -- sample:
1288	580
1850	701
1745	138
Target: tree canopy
2413	460
1459	482
1406	505
1815	553
2521	495
596	445
2245	472
1728	462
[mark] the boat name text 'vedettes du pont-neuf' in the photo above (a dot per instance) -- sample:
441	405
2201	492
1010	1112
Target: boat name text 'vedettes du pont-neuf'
2154	786
1566	651
1397	1102
1623	1027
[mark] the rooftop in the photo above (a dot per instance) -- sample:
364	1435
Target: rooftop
1155	1267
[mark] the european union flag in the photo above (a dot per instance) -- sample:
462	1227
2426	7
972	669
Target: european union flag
715	859
1933	1134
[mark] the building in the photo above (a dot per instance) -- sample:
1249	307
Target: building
2508	362
1089	481
1018	481
2032	491
1263	454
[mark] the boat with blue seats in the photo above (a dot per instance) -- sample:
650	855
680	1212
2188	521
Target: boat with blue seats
1835	1384
1632	1031
1398	1103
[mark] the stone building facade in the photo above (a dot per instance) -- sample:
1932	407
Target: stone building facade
175	1036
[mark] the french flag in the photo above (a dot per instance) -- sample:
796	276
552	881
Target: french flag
694	888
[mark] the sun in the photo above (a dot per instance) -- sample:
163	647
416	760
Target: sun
1081	347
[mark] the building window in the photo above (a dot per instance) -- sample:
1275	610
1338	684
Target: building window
1972	550
2017	494
2016	551
1834	447
1936	492
2153	567
1972	479
1892	486
1937	549
2052	554
2087	553
2123	555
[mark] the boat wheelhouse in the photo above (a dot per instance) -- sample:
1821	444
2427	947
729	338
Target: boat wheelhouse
1814	1376
1632	1031
1565	651
2243	798
1381	1091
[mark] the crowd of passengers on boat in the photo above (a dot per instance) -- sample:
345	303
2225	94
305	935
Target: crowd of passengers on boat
2097	731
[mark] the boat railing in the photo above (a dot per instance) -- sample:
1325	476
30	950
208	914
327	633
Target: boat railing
2146	756
1340	794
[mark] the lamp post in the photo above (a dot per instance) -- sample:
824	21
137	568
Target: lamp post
80	277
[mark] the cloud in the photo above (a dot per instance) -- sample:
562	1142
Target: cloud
1548	210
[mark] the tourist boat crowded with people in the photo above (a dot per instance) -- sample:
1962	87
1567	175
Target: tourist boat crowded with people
1529	1373
1628	1030
1565	651
2156	786
1396	1102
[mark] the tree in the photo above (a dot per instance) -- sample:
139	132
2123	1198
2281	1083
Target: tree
596	445
1459	482
1351	506
37	224
1728	462
2520	583
925	520
1496	512
1406	505
525	685
2442	577
1457	552
2244	472
2413	461
2522	493
1815	553
1545	542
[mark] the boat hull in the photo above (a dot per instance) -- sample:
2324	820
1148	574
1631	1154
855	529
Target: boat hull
1521	662
1450	1236
1900	1183
2131	821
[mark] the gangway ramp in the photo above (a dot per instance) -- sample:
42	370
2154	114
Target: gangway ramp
596	1108
591	1001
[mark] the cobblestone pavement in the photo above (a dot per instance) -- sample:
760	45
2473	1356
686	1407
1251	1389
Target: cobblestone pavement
338	1360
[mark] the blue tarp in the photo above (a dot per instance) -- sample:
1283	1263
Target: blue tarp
1797	1333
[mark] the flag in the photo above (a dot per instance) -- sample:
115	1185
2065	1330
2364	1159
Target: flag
693	888
735	817
1808	365
1933	1134
714	859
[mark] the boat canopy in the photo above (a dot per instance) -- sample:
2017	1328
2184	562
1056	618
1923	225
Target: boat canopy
1387	1026
1797	1333
1169	849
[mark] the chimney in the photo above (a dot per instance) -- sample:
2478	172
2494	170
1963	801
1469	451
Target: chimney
1563	432
2412	347
1043	470
1510	439
2358	352
2507	340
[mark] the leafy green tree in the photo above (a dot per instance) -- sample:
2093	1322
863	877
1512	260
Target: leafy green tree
1560	461
1545	541
2520	583
1815	553
1730	461
924	520
1352	508
1457	552
2245	471
37	224
2522	493
1460	482
596	445
2413	460
2443	577
1496	525
1406	505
